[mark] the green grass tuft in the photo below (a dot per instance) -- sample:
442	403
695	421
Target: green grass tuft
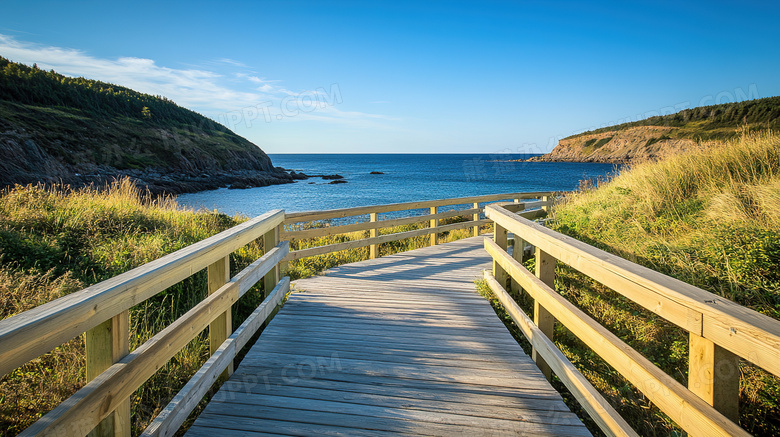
54	241
711	219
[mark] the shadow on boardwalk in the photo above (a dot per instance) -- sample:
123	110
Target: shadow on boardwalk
397	345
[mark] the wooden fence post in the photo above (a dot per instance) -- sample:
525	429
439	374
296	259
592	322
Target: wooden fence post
545	270
281	267
372	249
221	328
713	375
476	219
499	236
434	224
517	254
106	344
270	240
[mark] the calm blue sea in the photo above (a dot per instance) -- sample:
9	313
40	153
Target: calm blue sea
406	178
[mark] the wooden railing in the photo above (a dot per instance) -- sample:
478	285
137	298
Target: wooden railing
720	331
102	311
375	223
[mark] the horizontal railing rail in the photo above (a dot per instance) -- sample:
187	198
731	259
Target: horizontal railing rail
373	226
308	216
588	397
719	330
102	311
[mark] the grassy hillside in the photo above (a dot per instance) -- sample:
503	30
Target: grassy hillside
714	122
55	128
54	242
711	219
657	138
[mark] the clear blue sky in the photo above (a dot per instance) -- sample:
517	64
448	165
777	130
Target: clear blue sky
410	76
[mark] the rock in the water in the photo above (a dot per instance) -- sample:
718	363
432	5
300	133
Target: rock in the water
337	181
377	172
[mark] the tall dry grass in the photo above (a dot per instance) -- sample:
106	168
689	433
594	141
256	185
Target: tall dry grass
709	218
56	240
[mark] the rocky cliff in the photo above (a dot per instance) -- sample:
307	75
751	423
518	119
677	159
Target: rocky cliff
57	129
631	145
660	136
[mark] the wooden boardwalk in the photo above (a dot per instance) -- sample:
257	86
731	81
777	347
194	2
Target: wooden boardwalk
397	345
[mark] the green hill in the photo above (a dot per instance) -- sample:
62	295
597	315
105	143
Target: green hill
714	122
55	128
662	136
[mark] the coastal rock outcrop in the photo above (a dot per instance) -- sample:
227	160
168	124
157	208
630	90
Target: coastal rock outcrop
31	157
632	145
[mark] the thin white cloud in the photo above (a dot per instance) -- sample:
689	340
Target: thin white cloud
207	92
193	88
232	62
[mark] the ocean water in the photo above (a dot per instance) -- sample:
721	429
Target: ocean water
406	178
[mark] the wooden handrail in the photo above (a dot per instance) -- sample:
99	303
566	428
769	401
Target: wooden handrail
321	250
176	412
374	225
366	226
86	408
308	216
28	335
378	224
588	397
747	333
35	332
685	408
713	323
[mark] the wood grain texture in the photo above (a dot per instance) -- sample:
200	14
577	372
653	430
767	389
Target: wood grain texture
609	421
35	332
98	398
545	271
396	345
713	374
106	344
298	217
687	410
221	328
434	224
373	224
320	250
176	412
747	333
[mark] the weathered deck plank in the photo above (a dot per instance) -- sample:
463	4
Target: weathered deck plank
395	345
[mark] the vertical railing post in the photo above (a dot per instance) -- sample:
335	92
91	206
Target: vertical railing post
517	252
270	240
221	328
372	249
546	200
281	267
500	237
434	224
545	271
106	344
713	375
476	219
